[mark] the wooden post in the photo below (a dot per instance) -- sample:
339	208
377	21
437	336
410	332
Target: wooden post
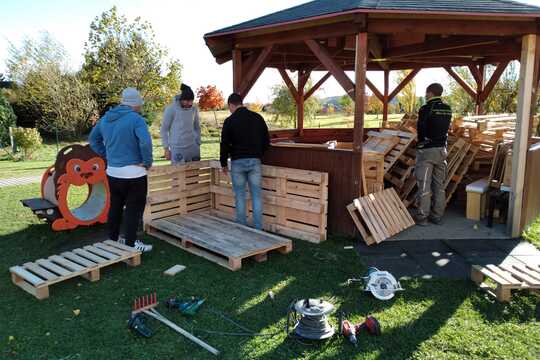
237	70
359	109
480	89
536	84
385	97
300	103
524	115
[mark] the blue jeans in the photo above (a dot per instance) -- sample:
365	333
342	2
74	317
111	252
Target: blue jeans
247	171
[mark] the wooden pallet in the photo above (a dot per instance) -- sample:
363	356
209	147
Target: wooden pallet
373	173
379	216
36	277
380	142
406	140
221	241
295	202
507	277
458	177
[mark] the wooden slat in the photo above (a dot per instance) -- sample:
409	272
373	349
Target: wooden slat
53	267
66	263
26	275
79	259
88	255
47	275
101	253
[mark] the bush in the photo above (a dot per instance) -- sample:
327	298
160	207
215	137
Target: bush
7	120
27	139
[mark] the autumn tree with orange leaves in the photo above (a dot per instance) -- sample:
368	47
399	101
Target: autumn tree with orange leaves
210	99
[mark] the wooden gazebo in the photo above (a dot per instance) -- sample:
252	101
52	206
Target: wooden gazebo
336	36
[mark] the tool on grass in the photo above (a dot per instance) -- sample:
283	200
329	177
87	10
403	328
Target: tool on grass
137	323
350	331
147	305
186	307
381	284
309	319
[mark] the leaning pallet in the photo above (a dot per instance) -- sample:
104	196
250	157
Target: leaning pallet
507	277
380	142
406	140
222	241
379	216
456	179
36	277
373	172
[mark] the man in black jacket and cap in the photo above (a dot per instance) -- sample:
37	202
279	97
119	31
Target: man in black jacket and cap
434	120
244	138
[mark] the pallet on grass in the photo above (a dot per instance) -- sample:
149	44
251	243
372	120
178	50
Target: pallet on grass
36	277
221	241
379	216
507	277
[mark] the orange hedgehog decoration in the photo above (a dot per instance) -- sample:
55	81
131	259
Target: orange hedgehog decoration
76	165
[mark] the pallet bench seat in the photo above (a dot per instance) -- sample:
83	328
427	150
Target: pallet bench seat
36	277
507	277
221	241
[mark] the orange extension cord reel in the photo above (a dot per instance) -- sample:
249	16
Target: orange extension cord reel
76	165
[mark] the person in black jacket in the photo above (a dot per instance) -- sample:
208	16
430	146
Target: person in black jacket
434	120
244	138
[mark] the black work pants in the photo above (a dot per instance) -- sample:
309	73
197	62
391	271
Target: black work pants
130	193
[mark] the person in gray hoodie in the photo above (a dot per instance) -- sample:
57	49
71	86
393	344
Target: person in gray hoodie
181	130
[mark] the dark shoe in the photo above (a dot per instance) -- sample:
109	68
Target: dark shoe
421	221
436	221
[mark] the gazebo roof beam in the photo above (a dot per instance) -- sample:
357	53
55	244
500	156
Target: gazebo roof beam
299	35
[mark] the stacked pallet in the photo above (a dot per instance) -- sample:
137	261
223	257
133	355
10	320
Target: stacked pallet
501	170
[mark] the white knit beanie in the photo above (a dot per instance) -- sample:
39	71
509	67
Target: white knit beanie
131	97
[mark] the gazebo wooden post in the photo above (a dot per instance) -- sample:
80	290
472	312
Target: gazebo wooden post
536	86
359	109
237	69
385	97
524	117
480	84
303	77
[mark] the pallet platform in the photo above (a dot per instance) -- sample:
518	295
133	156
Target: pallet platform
507	277
36	277
380	216
221	241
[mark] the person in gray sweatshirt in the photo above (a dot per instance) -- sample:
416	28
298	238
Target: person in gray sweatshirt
181	130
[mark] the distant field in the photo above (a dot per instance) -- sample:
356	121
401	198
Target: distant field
211	129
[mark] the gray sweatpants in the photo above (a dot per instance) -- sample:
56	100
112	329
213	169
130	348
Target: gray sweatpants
184	155
430	171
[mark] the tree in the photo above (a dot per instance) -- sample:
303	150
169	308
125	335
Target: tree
120	54
461	102
7	120
284	106
210	99
407	97
346	104
503	98
374	106
46	92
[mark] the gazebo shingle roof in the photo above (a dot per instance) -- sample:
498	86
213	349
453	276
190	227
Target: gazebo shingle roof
328	7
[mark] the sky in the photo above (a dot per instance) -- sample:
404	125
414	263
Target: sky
179	26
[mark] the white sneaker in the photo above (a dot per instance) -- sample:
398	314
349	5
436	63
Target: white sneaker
142	247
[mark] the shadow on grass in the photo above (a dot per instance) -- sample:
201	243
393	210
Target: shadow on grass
520	309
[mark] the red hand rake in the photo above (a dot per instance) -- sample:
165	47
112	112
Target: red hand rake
146	304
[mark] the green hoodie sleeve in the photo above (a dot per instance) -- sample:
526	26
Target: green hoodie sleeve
145	141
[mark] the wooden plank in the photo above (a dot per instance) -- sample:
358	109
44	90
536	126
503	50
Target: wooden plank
101	253
90	256
27	276
112	249
66	263
47	275
363	233
504	274
79	259
53	267
523	276
373	227
495	277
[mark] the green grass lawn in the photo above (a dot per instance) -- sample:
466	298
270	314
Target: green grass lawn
431	319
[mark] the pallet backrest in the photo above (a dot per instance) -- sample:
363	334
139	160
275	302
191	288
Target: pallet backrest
295	202
178	190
